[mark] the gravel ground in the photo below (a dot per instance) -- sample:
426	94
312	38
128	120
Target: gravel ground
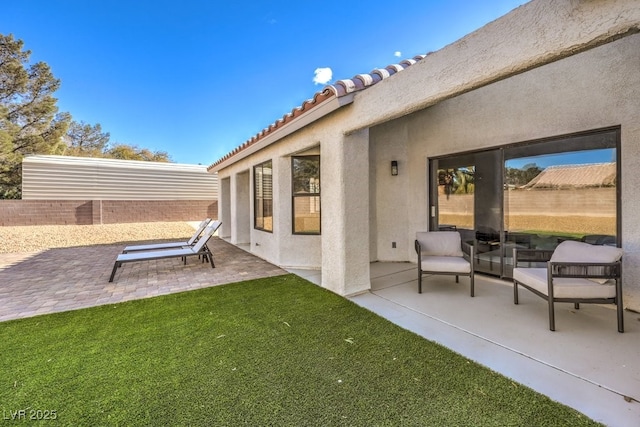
38	237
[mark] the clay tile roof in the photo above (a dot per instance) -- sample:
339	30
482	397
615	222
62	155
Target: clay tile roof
339	89
575	176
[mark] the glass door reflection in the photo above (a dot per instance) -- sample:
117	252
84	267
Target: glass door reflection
560	196
529	195
469	200
488	213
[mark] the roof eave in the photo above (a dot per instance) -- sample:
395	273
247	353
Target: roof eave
296	124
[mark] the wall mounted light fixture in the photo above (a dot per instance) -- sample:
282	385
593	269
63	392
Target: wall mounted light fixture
394	167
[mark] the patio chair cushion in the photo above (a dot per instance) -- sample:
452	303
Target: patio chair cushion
440	243
536	278
445	264
573	251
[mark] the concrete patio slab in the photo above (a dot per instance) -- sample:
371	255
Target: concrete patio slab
585	364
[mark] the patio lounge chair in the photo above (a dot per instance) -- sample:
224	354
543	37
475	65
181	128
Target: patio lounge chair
199	248
576	272
169	245
441	252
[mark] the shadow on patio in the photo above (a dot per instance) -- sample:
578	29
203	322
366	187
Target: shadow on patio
585	364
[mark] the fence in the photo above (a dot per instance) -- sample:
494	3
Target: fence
586	210
86	212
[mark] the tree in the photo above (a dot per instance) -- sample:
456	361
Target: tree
31	124
306	174
29	119
458	180
132	152
85	140
517	177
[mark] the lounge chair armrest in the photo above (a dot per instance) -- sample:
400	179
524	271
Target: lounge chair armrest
586	270
531	255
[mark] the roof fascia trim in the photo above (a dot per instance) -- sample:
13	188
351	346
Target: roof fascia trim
298	123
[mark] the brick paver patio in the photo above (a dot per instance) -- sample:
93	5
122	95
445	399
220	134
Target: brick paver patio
64	279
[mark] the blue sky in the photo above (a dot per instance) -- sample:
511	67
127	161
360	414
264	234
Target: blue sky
196	78
604	155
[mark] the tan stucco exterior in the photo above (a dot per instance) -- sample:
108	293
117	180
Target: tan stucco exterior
548	68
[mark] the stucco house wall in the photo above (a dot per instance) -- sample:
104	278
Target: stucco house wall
548	68
280	246
594	89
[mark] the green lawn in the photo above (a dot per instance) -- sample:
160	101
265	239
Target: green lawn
277	351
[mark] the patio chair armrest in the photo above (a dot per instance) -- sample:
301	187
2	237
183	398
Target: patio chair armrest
531	255
467	251
586	270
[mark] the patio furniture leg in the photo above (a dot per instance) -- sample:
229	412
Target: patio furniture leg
576	305
515	292
208	256
620	319
113	272
471	279
457	279
552	318
419	281
619	306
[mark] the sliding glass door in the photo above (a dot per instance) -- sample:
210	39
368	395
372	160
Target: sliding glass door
532	195
469	200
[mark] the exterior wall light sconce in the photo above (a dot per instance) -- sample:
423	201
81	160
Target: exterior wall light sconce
394	167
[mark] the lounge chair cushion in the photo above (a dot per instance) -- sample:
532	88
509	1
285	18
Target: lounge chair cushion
445	264
146	256
172	245
536	278
440	243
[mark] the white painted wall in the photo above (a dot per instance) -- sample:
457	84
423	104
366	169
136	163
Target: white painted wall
345	213
594	89
390	142
282	247
536	33
299	251
241	207
224	209
518	78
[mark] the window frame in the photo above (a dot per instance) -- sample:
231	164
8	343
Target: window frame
295	195
595	139
259	196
